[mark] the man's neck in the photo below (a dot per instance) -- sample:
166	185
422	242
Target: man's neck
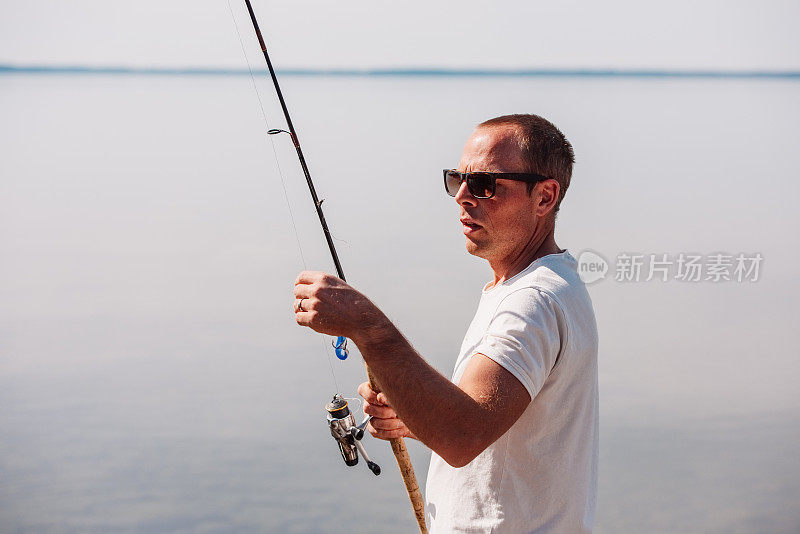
535	249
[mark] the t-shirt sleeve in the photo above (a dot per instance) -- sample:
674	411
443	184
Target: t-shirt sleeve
524	336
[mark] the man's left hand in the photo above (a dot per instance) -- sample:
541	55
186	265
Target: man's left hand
330	306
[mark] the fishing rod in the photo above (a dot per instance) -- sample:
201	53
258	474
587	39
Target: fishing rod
340	420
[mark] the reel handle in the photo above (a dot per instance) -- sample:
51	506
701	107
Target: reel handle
375	468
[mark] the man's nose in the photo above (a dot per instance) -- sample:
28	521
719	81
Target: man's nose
464	197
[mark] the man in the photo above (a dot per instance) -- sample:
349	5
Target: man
514	434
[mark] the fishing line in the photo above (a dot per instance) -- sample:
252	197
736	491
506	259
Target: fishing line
327	356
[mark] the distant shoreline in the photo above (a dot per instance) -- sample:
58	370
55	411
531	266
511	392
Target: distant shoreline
400	72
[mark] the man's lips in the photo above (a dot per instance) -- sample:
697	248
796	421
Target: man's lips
469	225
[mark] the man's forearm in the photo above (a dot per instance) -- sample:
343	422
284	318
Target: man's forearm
439	413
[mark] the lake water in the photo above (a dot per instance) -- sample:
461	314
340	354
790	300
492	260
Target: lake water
151	375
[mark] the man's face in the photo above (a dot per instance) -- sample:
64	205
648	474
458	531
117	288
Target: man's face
498	228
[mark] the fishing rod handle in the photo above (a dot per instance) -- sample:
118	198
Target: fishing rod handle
406	469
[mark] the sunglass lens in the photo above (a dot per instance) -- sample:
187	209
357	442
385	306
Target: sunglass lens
452	182
481	185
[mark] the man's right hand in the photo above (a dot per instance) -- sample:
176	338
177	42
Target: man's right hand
384	423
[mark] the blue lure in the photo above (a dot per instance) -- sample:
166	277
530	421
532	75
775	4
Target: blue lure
340	347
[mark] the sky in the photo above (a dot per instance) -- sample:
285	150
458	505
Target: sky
620	34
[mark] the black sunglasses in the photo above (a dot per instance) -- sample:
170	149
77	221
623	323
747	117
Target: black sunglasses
482	184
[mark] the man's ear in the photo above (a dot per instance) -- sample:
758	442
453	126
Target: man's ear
546	196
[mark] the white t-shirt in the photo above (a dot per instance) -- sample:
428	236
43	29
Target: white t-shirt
541	475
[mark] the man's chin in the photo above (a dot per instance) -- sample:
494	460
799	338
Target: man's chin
474	248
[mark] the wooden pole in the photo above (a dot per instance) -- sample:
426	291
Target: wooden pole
406	469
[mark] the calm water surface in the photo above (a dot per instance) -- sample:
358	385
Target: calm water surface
152	378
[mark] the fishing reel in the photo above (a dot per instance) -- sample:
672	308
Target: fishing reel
347	433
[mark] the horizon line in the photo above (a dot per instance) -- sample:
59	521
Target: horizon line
401	71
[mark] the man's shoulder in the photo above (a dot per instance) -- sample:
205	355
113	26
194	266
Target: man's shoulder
551	285
554	275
